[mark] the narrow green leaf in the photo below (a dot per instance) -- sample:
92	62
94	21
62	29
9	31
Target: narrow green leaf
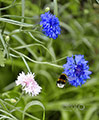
16	22
64	115
2	59
90	112
8	6
31	45
35	38
5	117
20	17
23	9
38	62
31	104
78	114
7	113
89	45
3	42
26	64
17	109
55	8
23	43
3	105
68	28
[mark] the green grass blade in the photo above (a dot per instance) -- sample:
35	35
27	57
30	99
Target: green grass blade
17	109
3	105
23	43
35	38
68	28
38	62
31	104
90	112
7	113
26	64
31	45
5	117
8	6
16	22
23	9
55	7
20	17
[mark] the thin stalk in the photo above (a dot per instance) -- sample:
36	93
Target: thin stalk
52	50
23	9
55	8
31	45
28	68
37	62
8	6
33	117
4	44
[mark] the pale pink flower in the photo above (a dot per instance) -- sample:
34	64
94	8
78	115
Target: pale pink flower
28	83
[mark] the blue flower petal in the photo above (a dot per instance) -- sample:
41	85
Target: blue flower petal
50	25
78	58
77	70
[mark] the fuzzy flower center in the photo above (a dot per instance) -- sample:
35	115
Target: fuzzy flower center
79	70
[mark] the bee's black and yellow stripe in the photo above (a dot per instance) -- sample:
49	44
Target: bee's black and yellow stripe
62	79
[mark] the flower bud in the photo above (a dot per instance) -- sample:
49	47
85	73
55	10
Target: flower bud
12	100
47	9
7	38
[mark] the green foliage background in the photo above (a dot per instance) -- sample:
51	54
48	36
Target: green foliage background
19	27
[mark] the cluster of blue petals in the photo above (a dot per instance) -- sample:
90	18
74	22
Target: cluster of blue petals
76	69
50	25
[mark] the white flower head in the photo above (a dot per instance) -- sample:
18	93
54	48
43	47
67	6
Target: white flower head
28	83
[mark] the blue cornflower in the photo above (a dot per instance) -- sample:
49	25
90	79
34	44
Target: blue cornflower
76	69
50	25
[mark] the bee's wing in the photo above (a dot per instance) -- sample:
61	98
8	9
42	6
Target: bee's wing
71	78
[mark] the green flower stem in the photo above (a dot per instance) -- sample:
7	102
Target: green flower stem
20	17
52	50
50	43
55	7
4	44
60	59
10	21
33	117
31	45
20	97
37	62
8	6
23	9
44	115
26	64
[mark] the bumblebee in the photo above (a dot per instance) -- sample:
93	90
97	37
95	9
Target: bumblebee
62	80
